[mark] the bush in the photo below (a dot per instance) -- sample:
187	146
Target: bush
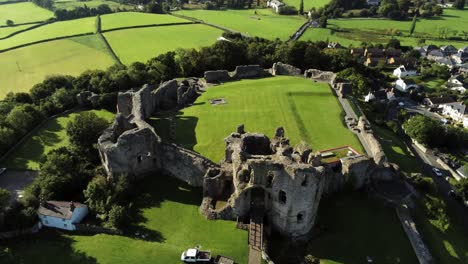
365	13
287	10
117	217
9	22
309	259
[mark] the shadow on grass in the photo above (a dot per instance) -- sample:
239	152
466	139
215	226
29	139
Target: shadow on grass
48	247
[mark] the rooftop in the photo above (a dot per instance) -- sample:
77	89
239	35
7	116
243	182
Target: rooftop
58	209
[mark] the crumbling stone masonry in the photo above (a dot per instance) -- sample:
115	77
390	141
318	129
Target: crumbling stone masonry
280	68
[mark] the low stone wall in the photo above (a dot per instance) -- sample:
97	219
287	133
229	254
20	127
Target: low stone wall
318	75
217	76
280	68
248	72
371	141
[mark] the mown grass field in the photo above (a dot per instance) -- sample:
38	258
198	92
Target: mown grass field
308	4
21	68
54	30
358	30
23	13
52	135
5	31
169	215
308	111
265	23
142	44
70	4
126	19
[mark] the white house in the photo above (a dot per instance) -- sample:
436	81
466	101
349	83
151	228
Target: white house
456	82
405	71
373	2
275	4
62	215
405	85
457	111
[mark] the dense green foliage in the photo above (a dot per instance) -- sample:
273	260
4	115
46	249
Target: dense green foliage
79	12
461	187
85	129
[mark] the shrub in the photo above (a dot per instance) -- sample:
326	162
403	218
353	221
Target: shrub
287	10
9	22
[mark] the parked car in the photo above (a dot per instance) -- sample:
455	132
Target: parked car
194	255
437	172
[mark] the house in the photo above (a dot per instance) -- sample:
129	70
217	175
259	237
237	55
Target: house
392	52
405	85
448	50
457	111
435	102
405	71
374	53
447	61
460	57
401	61
373	2
463	50
374	61
357	52
275	4
334	45
456	80
435	54
463	171
62	215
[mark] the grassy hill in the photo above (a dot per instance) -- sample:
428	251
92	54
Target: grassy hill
264	23
71	4
126	19
308	111
141	44
308	4
23	13
5	31
21	68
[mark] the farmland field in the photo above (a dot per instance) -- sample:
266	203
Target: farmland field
52	135
70	4
22	68
23	13
126	19
5	31
308	111
308	4
54	30
169	215
141	44
265	23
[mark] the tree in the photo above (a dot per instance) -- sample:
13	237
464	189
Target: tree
7	138
117	216
425	130
301	7
461	187
85	129
459	4
97	194
5	199
9	22
323	21
413	25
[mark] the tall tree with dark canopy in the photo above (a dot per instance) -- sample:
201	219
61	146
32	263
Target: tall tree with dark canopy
85	129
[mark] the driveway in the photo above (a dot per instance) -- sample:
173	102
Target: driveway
16	180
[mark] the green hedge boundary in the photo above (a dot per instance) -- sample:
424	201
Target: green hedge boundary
45	40
24	30
109	49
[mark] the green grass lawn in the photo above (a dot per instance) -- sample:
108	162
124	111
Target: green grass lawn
54	30
142	44
23	13
308	4
308	111
5	31
22	68
265	24
169	212
352	227
52	135
70	4
126	19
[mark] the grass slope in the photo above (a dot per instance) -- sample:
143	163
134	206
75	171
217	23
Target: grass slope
308	111
52	135
54	30
141	44
70	4
22	68
23	13
308	4
5	31
126	19
265	24
169	212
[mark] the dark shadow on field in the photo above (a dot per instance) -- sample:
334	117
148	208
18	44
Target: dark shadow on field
46	247
182	131
154	189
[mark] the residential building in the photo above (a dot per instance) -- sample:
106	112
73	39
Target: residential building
61	215
447	61
357	52
392	53
435	54
457	111
374	61
373	2
275	4
405	85
334	45
374	53
463	69
448	50
437	101
405	71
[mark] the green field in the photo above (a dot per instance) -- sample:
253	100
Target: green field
126	19
308	4
142	44
22	68
5	31
308	111
265	24
352	228
169	212
52	135
54	30
70	4
358	30
23	13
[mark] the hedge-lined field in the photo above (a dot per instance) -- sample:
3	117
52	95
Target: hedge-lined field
23	13
5	31
308	111
21	68
142	44
265	23
308	4
54	30
70	4
126	19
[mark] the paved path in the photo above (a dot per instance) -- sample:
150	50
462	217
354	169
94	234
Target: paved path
256	237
